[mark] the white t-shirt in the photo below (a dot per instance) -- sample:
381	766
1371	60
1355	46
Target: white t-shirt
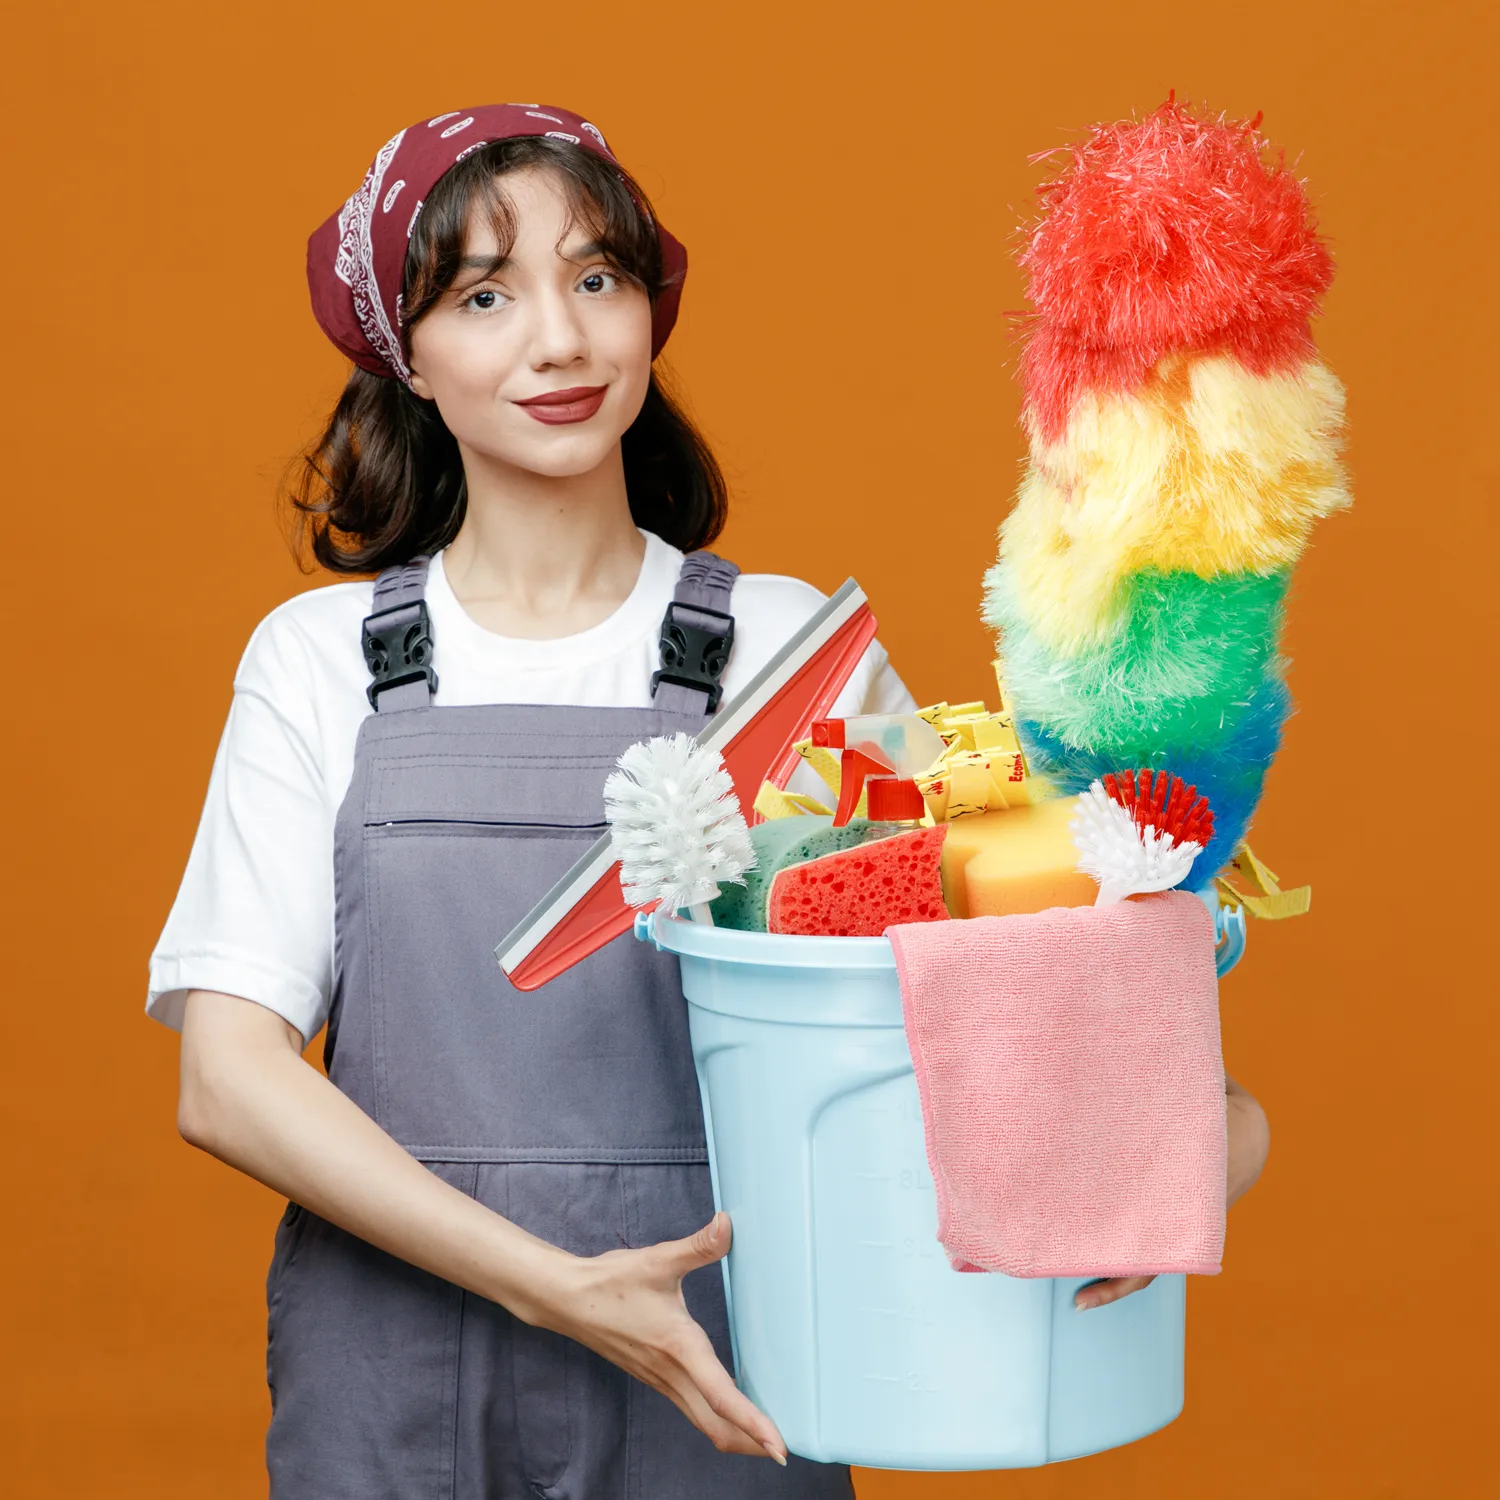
254	914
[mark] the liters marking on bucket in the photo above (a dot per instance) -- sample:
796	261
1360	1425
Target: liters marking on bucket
920	1315
908	1109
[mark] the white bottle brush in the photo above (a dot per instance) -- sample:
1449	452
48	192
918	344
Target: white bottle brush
1136	832
675	825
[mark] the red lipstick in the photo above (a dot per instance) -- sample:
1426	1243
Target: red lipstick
576	404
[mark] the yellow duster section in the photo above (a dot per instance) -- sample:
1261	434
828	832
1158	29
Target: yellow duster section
997	864
1208	469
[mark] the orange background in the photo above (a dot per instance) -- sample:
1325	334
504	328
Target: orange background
847	179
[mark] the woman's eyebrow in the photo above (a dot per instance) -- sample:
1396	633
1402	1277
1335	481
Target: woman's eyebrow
492	263
482	262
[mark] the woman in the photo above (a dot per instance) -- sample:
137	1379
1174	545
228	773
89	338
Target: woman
499	1204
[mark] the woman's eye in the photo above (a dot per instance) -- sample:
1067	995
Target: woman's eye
599	281
484	300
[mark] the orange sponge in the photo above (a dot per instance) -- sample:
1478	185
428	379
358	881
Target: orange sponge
1007	863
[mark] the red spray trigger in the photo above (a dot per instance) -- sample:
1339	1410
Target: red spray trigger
854	767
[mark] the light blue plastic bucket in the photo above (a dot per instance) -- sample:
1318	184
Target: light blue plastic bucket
850	1328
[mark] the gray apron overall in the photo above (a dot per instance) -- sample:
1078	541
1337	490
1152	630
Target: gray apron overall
573	1110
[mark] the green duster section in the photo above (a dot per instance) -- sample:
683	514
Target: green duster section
1191	683
1190	657
780	842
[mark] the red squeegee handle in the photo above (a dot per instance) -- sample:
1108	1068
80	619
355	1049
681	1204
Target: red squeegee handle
764	750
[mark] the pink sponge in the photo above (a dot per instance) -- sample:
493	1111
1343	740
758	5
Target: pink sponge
860	892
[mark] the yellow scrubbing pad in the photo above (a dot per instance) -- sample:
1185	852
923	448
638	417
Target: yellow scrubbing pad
997	864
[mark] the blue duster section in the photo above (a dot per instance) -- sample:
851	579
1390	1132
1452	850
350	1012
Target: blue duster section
1230	771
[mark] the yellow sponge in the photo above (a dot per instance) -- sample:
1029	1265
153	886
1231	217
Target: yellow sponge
996	864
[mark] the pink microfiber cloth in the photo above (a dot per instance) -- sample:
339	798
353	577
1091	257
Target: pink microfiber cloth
1072	1086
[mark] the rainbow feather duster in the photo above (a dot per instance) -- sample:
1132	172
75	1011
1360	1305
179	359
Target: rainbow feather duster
1184	438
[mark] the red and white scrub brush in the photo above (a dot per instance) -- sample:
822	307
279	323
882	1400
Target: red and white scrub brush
1139	831
675	825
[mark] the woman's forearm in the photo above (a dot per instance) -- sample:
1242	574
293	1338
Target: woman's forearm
1249	1139
248	1098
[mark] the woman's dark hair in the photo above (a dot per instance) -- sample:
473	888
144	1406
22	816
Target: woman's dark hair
385	482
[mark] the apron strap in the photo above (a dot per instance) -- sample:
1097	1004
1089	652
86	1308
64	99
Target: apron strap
397	640
697	635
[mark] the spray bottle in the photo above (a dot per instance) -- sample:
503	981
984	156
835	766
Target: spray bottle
876	745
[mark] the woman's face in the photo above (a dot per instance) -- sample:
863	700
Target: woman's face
542	362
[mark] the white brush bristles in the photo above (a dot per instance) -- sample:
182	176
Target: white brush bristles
1124	859
675	824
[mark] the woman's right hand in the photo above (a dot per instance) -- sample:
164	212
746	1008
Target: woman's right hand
628	1306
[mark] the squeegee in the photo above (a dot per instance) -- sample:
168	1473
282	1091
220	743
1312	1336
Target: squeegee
755	732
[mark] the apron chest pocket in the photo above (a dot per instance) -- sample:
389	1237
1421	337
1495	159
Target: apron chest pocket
465	1066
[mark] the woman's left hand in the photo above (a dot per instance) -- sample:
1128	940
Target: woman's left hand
1249	1144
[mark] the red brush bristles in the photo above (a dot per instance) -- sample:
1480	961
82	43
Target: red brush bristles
1171	233
1164	802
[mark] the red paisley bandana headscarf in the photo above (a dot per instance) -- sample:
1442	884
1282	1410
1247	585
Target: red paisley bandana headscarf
356	258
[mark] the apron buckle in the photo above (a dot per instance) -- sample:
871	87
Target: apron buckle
694	652
397	644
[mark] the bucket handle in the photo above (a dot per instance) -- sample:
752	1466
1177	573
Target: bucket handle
1229	938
